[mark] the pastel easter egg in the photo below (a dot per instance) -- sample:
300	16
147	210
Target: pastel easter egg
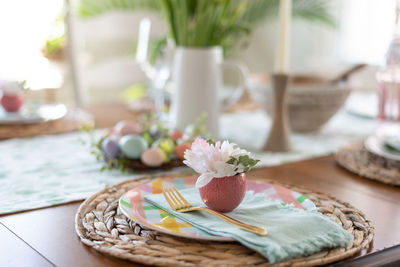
133	145
152	157
165	144
110	147
127	127
154	133
181	148
176	135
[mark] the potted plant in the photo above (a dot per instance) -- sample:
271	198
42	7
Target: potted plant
202	31
13	96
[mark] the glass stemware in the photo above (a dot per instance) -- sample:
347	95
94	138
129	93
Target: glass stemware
388	78
158	72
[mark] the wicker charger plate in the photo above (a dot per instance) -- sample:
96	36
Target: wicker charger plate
71	122
357	159
101	226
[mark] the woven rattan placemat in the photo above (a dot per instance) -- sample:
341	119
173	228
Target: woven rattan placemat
101	226
71	122
357	159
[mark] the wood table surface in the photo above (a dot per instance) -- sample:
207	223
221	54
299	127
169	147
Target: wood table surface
46	237
48	234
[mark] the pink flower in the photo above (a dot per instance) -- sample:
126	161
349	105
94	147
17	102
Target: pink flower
211	160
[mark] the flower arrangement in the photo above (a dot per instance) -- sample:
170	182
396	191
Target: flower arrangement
222	167
12	95
217	160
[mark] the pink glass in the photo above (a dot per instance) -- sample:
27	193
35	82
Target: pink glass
388	78
389	94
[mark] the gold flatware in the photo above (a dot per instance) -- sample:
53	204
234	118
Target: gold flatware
179	204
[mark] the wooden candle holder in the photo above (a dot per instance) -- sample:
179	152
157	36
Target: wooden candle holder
279	135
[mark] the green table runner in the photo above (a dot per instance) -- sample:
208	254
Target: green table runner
48	170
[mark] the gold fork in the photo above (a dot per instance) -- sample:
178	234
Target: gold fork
179	203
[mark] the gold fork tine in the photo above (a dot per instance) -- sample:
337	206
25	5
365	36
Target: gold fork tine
173	198
187	204
169	200
176	198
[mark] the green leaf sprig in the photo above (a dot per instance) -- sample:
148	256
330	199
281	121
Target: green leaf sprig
245	161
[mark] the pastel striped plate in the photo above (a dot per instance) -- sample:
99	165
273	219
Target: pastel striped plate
134	206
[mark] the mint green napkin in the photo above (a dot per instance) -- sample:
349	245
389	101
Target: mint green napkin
292	232
393	144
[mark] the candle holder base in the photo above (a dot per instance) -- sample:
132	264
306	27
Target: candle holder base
279	135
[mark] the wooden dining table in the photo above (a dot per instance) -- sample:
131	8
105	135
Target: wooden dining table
46	237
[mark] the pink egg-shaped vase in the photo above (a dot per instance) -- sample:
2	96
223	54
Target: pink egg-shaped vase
13	102
224	194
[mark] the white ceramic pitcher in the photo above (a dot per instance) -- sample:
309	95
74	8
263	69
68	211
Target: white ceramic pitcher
197	76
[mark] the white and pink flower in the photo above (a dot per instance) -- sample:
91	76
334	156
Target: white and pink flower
211	160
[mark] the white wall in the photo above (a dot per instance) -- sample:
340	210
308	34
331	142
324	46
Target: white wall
364	31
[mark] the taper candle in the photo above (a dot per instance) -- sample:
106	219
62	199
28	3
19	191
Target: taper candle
283	45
